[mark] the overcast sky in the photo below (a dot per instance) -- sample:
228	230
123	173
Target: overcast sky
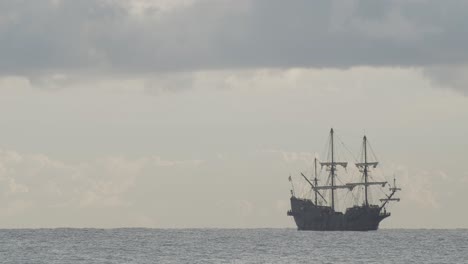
193	113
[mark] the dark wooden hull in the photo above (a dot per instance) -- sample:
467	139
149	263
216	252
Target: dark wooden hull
309	216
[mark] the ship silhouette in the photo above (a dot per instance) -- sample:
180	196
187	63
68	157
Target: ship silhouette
320	214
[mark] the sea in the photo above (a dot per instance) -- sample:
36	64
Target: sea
141	245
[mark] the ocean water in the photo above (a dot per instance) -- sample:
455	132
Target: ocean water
139	245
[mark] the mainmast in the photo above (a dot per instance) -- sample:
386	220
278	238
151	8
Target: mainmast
332	167
365	169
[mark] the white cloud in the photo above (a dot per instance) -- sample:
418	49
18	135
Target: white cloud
36	180
142	7
294	157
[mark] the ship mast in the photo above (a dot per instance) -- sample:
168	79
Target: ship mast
314	187
315	179
390	198
365	167
332	167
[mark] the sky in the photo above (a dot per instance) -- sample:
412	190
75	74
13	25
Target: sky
193	113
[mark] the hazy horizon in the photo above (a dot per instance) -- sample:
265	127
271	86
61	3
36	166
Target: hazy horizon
193	113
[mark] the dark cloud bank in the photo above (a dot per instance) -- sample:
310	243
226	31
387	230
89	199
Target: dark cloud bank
102	37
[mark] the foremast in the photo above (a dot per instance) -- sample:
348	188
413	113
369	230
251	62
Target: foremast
315	179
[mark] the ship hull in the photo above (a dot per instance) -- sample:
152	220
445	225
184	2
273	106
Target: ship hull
309	216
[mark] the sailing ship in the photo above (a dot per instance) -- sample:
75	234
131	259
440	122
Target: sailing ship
320	214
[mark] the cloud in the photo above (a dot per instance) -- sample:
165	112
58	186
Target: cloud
453	77
421	188
96	37
41	181
293	157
